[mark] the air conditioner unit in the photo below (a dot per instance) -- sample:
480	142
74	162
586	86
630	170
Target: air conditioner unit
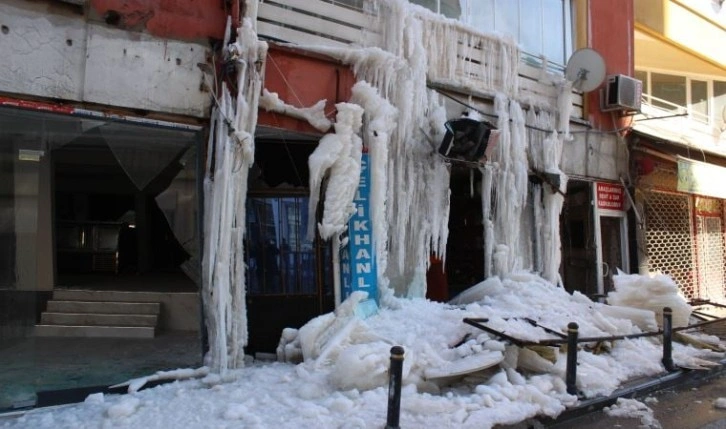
622	93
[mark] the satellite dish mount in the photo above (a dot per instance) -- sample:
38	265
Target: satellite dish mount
585	69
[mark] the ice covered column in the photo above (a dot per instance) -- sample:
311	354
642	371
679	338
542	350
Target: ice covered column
230	154
380	119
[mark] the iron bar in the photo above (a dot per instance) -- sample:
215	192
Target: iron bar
571	371
394	388
668	339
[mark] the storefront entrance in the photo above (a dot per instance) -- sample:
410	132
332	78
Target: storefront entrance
289	277
99	246
594	237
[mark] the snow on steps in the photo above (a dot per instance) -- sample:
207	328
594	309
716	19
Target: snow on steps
88	313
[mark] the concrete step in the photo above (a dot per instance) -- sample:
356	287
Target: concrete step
104	307
94	331
106	295
96	319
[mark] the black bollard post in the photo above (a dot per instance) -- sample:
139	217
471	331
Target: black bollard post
571	371
668	339
394	388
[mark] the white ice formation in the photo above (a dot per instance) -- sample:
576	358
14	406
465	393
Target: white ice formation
230	153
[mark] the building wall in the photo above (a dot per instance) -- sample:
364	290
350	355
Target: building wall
697	27
59	52
316	78
190	20
611	34
595	151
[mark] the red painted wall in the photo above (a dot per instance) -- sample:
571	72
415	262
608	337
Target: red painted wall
611	34
301	80
174	19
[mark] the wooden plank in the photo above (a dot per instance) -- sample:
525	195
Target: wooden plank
273	31
339	13
308	23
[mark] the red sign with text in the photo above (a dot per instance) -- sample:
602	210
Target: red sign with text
610	197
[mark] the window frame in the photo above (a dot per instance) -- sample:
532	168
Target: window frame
533	58
713	118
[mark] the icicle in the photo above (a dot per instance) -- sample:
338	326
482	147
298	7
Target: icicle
226	189
486	203
564	107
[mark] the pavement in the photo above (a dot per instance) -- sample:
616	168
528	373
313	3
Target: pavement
681	400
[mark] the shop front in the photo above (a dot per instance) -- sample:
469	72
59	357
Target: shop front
682	202
99	231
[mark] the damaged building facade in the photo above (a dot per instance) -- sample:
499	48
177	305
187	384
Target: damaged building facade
195	158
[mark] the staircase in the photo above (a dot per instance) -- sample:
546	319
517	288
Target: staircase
93	314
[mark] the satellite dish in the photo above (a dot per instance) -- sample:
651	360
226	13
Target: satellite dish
585	69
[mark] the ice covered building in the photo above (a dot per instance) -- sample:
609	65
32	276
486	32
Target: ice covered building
549	198
185	171
677	144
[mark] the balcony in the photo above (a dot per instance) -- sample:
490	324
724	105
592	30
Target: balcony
460	59
681	124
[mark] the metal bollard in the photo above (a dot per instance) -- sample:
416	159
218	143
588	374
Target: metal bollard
394	388
668	339
571	371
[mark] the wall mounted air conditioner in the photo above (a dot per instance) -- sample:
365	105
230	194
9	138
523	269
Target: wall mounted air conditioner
622	93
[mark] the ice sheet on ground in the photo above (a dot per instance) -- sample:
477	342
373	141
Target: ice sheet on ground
633	408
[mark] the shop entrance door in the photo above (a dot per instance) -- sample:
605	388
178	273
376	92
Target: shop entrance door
289	280
611	226
710	248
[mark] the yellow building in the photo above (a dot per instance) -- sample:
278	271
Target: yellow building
678	144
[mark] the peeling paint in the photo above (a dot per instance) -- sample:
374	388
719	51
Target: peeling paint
176	19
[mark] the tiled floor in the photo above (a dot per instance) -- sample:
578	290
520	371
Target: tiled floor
33	365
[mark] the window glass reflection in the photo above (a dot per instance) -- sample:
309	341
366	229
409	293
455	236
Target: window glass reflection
668	91
280	259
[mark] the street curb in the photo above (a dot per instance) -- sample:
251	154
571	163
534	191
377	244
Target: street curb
638	389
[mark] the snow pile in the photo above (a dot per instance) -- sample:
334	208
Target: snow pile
523	305
123	408
633	409
652	292
454	374
720	403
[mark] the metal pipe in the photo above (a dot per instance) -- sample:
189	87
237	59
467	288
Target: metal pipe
394	388
668	339
571	372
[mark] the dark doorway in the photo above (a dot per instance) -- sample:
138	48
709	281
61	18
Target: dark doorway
107	229
578	243
465	246
289	277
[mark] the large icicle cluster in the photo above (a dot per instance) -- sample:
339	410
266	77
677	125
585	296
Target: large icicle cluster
380	119
416	179
520	218
230	153
338	156
419	46
492	63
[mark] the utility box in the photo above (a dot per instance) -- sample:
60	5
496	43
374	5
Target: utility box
622	93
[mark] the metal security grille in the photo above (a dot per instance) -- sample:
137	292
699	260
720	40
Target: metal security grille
668	237
711	258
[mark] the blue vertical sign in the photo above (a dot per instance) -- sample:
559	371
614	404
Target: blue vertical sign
357	259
